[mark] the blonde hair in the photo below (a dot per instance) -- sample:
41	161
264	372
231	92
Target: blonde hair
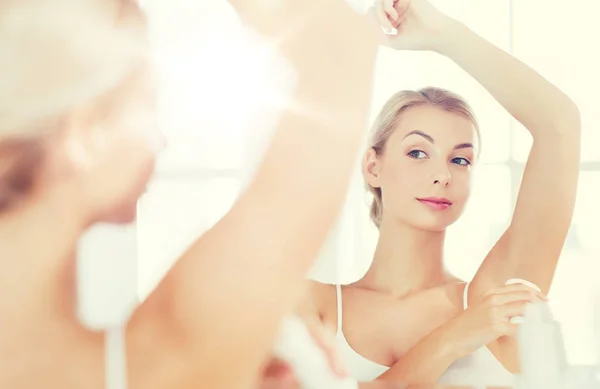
56	55
385	125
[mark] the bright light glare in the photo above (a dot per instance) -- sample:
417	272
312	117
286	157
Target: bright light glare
226	83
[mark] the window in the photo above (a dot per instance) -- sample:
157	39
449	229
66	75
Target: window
199	174
172	215
563	56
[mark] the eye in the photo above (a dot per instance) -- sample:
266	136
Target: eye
461	161
417	154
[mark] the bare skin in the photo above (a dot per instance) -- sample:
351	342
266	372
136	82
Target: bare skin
193	329
416	324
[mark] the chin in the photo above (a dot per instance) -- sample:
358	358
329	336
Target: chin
435	225
124	215
126	212
429	227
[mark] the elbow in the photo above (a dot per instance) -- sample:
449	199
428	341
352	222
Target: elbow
570	118
566	122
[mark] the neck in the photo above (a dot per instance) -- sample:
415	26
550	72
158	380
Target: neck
406	260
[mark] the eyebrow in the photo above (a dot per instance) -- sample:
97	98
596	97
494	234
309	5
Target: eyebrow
464	146
420	133
430	139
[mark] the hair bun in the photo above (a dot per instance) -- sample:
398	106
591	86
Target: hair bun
55	54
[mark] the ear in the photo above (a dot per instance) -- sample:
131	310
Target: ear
371	168
73	144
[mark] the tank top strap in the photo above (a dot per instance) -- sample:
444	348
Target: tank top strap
338	292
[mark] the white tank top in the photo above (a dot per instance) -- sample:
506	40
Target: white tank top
478	369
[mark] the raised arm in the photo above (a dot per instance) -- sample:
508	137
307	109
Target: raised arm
227	294
532	244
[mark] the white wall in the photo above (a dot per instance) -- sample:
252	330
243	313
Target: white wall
199	176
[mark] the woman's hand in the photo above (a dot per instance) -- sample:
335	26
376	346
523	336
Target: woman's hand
278	374
489	319
286	20
482	323
419	25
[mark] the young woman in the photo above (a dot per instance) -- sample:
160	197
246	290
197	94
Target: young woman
424	325
78	142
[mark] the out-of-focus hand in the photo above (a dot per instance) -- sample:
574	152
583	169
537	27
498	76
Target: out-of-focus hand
278	374
312	29
277	16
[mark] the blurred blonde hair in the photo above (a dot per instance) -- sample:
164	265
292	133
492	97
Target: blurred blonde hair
387	119
57	55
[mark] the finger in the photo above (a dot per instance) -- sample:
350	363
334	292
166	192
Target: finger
396	23
277	369
382	18
497	300
506	289
520	287
277	374
388	7
317	332
402	7
511	310
509	329
325	339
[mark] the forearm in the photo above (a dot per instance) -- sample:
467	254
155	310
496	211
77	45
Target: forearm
425	362
540	106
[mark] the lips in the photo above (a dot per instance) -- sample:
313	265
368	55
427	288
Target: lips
435	203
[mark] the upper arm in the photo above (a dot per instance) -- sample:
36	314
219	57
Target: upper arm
233	286
532	244
229	291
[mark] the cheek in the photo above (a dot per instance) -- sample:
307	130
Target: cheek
401	182
462	185
406	175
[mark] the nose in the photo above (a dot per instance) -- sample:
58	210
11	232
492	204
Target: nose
442	177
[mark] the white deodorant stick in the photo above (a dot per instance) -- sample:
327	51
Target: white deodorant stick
513	281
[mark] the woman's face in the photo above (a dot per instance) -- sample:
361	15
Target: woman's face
116	155
424	172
